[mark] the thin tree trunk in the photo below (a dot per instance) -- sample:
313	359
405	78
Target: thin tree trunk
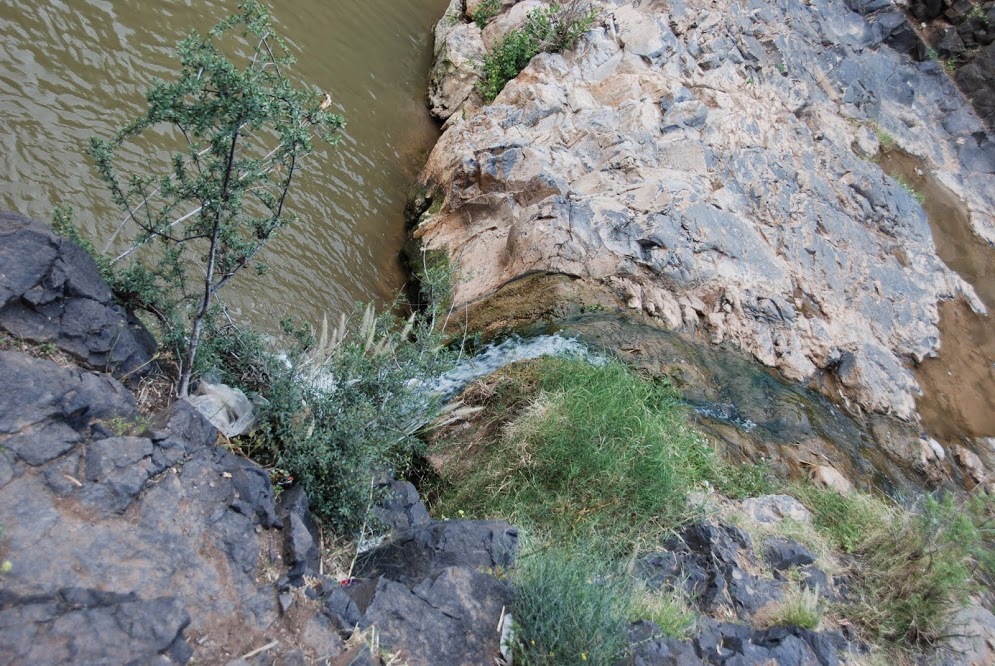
186	371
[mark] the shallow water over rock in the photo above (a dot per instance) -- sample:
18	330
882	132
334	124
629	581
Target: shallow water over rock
958	386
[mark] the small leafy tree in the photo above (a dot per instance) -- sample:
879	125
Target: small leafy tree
239	134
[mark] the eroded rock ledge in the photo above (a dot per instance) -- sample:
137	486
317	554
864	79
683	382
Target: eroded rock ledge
712	166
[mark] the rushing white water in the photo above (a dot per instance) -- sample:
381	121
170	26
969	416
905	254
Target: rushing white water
495	356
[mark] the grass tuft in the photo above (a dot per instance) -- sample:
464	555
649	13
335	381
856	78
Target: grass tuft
570	608
911	569
801	608
586	452
666	608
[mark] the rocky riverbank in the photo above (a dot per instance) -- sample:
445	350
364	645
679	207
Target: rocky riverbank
714	168
138	537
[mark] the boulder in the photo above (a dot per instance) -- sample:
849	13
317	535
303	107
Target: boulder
727	643
782	554
430	594
459	53
772	509
712	564
51	291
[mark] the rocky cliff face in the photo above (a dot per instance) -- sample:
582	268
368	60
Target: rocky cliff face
138	539
962	33
713	167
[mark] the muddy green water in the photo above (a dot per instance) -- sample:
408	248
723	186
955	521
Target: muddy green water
72	69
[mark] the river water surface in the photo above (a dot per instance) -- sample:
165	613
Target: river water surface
72	69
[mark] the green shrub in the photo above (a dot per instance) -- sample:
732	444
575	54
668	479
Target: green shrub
486	10
587	452
545	30
342	410
569	608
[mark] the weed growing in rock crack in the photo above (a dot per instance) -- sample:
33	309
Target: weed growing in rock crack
486	10
545	30
800	607
908	187
666	608
885	140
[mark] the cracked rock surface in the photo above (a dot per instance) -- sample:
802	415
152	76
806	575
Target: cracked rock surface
51	291
147	547
712	166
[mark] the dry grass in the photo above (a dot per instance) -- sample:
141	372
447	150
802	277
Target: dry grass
800	607
45	350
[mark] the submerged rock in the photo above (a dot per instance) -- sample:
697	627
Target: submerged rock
698	165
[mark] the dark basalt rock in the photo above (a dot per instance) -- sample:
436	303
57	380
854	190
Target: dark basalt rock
402	508
423	552
782	554
447	619
427	591
120	545
52	291
301	548
737	644
88	626
708	561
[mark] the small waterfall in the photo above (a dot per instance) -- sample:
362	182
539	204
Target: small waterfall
495	356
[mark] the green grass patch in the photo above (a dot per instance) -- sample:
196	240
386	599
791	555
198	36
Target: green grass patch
666	608
581	452
801	607
843	519
570	608
910	569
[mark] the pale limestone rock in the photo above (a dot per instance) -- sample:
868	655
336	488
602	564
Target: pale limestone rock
685	153
829	477
972	641
459	52
772	509
971	464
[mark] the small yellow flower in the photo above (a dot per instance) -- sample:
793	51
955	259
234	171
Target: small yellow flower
461	513
6	567
533	643
583	656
